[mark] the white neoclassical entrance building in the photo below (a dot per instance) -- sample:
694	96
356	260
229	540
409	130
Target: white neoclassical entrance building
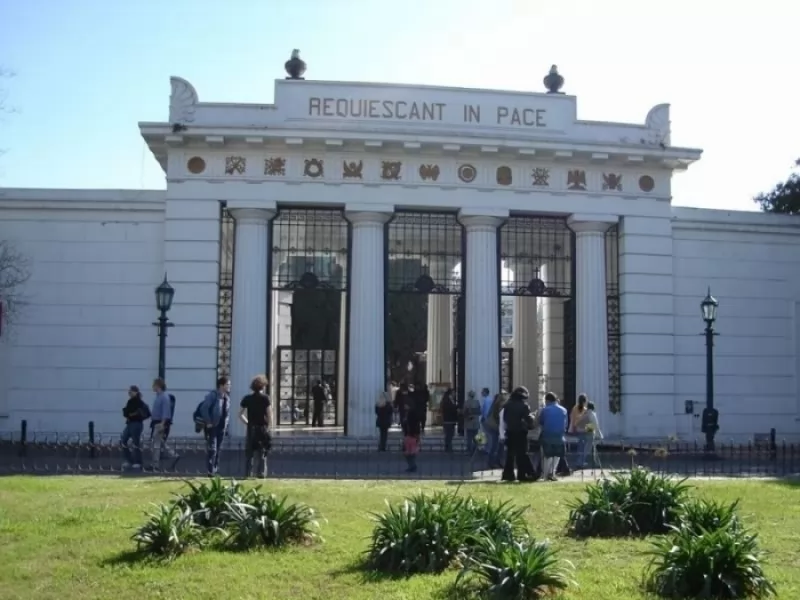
355	233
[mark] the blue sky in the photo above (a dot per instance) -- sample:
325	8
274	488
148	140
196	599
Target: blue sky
87	71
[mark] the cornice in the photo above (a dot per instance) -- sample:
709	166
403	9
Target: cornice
160	137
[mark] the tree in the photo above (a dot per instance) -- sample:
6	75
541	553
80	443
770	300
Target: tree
14	272
783	198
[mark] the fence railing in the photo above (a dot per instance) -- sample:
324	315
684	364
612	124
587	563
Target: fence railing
345	458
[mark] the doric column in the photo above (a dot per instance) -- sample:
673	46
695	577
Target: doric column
251	330
366	323
482	351
553	332
591	312
526	330
440	338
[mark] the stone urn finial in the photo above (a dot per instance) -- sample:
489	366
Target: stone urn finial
553	81
295	66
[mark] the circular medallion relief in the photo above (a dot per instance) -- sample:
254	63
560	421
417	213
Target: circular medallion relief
467	173
196	165
646	183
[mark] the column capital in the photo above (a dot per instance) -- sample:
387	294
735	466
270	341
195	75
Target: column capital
253	212
374	214
585	223
482	218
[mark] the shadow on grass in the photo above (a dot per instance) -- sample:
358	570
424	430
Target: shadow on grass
369	574
130	558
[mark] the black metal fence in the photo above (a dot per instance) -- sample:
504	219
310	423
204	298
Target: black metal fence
343	458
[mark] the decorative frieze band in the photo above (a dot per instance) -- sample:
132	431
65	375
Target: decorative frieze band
517	175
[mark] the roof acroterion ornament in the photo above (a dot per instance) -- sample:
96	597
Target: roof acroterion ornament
295	66
553	81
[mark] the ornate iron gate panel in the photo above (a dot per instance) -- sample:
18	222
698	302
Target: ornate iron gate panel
613	312
536	261
297	372
310	250
422	250
227	239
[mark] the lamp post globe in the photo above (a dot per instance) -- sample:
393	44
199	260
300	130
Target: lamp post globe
709	308
164	295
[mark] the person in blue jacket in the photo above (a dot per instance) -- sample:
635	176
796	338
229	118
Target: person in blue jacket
216	412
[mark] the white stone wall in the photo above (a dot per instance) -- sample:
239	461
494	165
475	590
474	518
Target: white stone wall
191	259
86	334
752	263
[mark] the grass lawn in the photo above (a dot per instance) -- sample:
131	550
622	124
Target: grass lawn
64	537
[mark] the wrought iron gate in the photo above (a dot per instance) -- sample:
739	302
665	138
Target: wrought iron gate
506	369
421	251
297	372
310	252
535	260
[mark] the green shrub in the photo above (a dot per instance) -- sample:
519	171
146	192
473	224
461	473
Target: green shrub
497	520
514	570
422	535
722	563
268	521
169	532
700	515
208	501
637	503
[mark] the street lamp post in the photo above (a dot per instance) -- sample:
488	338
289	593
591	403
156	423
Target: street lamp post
164	295
710	418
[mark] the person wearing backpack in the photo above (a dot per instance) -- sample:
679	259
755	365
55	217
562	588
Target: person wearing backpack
492	427
135	412
215	412
162	417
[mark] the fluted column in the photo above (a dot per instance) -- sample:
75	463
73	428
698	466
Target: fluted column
526	330
366	356
482	351
591	312
553	332
440	338
251	329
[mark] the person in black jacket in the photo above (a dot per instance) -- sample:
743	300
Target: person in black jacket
384	412
422	399
518	420
449	408
412	434
136	412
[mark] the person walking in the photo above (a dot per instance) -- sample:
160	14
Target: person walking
553	420
161	418
255	414
384	412
215	412
515	423
491	426
135	412
449	410
472	420
411	436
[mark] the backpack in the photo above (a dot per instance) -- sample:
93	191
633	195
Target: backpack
199	421
144	410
